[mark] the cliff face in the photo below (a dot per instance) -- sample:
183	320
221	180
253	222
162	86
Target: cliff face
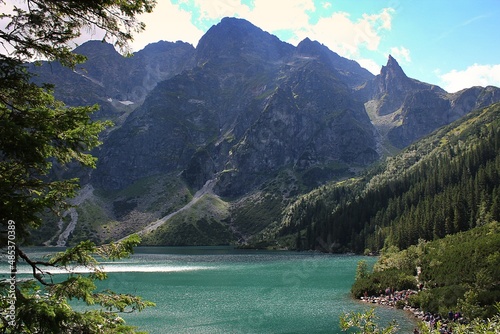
253	105
117	83
311	119
392	87
405	109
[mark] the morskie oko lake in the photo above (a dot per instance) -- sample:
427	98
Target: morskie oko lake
227	290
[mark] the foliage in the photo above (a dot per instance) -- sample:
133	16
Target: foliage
255	215
43	303
313	212
488	326
37	132
377	282
365	322
460	272
405	260
361	270
46	28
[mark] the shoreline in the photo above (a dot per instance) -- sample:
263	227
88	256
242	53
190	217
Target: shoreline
392	301
399	300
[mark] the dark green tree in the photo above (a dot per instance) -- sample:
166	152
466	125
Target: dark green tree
37	131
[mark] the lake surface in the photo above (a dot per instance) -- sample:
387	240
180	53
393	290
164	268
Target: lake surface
223	290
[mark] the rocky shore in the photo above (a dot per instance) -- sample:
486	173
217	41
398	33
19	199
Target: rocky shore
399	299
396	299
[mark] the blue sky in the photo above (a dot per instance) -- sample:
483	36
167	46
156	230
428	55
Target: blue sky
454	44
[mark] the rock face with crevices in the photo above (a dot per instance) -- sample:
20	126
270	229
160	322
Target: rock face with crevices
415	108
251	106
112	80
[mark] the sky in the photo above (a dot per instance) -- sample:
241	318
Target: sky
451	43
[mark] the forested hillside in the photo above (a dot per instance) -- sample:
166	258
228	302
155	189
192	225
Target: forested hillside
459	272
443	184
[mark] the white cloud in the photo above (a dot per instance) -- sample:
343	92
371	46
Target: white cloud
220	8
326	5
167	22
369	64
348	37
401	54
281	14
338	32
475	75
345	36
268	15
383	20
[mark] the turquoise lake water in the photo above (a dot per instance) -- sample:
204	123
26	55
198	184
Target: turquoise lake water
223	290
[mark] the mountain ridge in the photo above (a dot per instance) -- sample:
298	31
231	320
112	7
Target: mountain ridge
263	120
443	184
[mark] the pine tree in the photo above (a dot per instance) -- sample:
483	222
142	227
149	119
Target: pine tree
37	131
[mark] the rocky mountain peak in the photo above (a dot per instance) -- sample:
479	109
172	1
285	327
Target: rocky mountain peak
392	64
392	76
238	38
348	70
389	90
314	49
307	46
164	46
95	49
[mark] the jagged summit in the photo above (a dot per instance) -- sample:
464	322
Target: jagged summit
236	38
392	69
308	47
408	109
392	64
92	46
392	77
164	46
349	70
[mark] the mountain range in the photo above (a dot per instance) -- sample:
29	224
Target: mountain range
212	143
